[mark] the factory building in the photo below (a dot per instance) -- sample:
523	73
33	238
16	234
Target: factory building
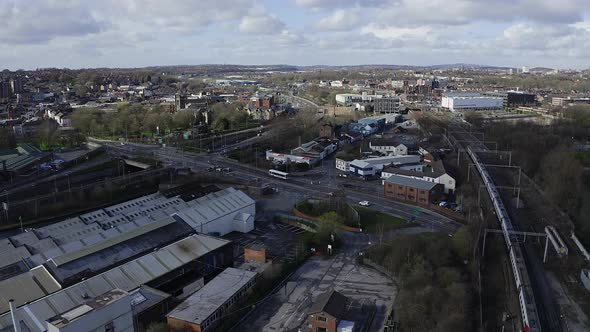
60	255
205	309
148	280
470	102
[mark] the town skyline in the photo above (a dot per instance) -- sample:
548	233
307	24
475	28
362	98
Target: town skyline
131	34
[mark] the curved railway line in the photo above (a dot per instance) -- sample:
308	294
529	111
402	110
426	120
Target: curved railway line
518	254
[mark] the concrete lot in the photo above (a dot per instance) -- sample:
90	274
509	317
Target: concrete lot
286	309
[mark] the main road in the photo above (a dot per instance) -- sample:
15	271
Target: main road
299	184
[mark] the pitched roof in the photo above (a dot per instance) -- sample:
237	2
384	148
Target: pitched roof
411	182
331	302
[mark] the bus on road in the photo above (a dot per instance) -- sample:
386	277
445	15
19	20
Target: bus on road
278	174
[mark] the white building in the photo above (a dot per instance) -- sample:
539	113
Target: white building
367	168
342	165
220	213
436	175
388	148
348	98
352	98
336	84
470	101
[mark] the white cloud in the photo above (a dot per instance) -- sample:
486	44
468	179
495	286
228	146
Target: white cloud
330	4
340	20
566	40
261	24
25	22
150	32
398	34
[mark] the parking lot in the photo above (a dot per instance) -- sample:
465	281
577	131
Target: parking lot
285	310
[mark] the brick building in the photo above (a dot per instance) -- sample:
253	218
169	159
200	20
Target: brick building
411	190
325	313
326	130
255	253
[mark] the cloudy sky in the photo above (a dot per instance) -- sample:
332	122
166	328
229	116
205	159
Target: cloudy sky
136	33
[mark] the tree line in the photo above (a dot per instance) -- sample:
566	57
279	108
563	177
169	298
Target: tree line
549	154
141	121
435	284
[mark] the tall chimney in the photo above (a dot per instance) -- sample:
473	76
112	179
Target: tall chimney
15	321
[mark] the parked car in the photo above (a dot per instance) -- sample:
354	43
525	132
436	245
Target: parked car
443	204
45	167
365	203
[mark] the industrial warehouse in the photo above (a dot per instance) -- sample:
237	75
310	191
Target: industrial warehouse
139	252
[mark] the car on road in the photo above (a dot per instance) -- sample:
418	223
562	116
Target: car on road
365	203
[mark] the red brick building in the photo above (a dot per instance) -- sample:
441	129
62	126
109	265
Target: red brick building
411	190
255	253
325	313
326	130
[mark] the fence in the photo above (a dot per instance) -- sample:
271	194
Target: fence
60	204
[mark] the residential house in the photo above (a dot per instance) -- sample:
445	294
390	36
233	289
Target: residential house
261	114
388	147
350	137
326	312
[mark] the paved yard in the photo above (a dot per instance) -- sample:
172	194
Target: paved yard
286	309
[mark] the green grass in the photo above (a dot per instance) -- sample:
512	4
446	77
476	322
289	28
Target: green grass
371	219
583	157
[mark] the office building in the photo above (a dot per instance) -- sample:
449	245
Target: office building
411	190
4	89
16	85
567	101
514	98
387	105
435	173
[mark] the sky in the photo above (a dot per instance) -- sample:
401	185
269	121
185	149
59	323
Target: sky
139	33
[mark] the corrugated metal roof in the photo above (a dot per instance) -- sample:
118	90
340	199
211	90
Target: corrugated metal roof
27	287
131	233
128	276
13	255
204	302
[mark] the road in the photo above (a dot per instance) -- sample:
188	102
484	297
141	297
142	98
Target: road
326	184
299	102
